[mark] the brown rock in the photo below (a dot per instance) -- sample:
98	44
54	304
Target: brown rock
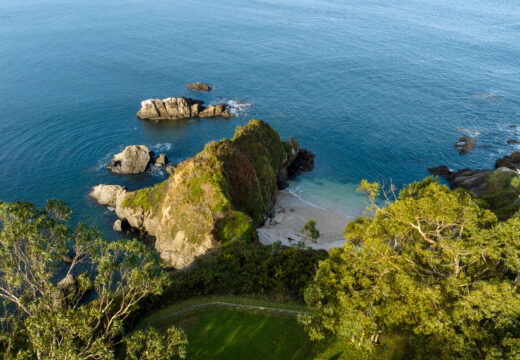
512	141
198	86
465	144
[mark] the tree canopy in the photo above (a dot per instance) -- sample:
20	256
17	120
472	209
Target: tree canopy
433	270
66	294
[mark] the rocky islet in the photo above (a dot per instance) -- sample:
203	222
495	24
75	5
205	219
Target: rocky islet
221	194
180	108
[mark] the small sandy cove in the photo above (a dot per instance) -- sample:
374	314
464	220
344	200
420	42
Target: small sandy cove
291	213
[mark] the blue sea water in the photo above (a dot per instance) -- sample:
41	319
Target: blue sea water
376	88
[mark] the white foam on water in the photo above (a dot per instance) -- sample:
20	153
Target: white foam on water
161	147
238	106
470	132
157	172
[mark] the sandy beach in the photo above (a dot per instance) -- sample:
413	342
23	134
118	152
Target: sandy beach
291	213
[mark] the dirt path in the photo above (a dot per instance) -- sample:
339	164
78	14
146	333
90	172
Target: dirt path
232	305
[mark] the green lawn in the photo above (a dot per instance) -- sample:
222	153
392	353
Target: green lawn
220	332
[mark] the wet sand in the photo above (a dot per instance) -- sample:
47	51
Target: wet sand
291	213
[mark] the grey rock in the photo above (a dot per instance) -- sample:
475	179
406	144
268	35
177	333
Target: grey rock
133	159
180	108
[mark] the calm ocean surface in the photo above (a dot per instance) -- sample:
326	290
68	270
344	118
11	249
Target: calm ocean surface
377	89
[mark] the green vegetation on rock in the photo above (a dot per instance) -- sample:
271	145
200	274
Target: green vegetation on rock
223	192
146	199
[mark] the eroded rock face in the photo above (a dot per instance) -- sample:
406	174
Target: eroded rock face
134	159
221	194
179	108
198	86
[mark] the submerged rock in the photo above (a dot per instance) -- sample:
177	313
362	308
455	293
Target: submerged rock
512	141
465	144
179	108
198	86
221	194
133	159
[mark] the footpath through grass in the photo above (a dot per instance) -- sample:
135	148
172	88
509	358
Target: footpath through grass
218	331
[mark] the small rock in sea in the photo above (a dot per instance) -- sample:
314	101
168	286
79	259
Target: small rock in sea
465	144
198	86
170	169
160	161
512	126
133	159
512	141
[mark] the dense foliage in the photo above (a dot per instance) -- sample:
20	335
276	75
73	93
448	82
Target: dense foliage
434	269
502	193
244	268
66	294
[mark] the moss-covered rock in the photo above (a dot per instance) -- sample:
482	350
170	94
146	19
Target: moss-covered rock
219	195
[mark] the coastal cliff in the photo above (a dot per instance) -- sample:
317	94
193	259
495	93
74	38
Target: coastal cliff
221	194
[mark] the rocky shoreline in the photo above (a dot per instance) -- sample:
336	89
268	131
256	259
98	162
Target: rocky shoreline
499	187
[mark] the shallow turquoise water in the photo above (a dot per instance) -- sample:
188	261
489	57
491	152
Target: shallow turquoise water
377	89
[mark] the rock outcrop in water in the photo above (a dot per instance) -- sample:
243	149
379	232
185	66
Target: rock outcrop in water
179	108
500	188
472	180
198	86
160	161
221	194
134	159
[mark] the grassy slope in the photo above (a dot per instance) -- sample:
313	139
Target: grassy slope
219	332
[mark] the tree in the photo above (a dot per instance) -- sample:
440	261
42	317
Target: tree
433	270
310	230
66	294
